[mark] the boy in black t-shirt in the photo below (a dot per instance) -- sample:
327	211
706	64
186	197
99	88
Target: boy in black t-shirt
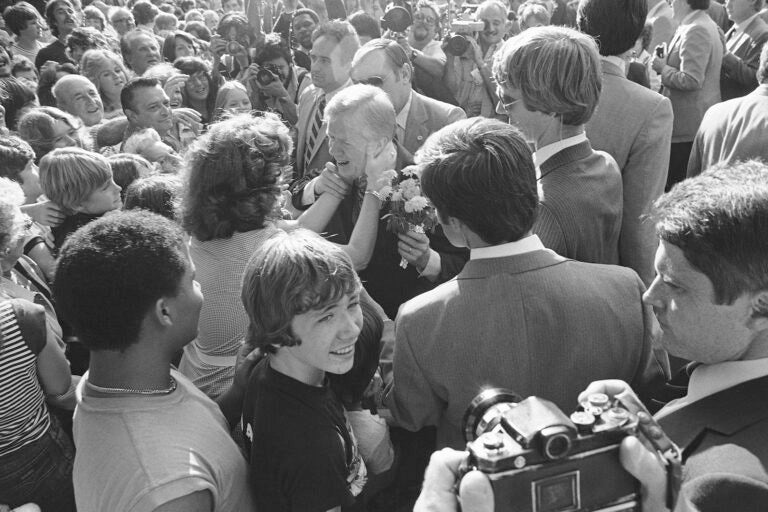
302	297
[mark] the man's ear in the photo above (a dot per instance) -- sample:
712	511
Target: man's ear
131	115
407	72
162	312
760	310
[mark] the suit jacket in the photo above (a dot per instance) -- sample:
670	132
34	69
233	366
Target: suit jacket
425	117
731	131
580	205
535	323
724	438
634	125
306	113
739	72
691	77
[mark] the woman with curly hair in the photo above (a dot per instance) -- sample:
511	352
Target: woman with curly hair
234	179
200	89
107	72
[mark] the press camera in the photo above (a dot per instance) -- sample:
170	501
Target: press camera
456	41
539	459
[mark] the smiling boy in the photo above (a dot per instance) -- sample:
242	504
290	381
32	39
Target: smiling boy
302	297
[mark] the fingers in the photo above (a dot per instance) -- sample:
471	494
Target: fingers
476	493
643	465
611	387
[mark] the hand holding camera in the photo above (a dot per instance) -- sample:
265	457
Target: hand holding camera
660	57
267	80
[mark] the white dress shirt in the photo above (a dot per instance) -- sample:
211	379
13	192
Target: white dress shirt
543	154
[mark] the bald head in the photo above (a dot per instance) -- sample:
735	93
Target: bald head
78	96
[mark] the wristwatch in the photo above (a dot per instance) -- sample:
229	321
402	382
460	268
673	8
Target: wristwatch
413	55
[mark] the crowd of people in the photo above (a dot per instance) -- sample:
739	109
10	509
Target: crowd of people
213	299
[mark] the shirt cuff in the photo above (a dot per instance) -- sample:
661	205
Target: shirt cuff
308	196
432	270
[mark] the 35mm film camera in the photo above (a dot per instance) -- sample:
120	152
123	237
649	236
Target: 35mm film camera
538	459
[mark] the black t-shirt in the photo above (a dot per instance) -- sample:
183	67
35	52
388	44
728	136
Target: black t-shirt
56	51
302	454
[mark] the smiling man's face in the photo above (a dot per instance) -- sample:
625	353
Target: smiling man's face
78	96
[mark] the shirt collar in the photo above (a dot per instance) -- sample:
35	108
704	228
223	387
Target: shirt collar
741	27
528	244
334	92
709	379
616	61
543	154
402	116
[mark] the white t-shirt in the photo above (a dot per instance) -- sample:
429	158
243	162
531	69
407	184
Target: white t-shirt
136	452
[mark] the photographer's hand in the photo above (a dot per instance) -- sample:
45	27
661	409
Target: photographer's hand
175	82
217	47
439	492
474	52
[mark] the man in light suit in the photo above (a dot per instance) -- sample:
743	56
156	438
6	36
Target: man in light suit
743	43
711	299
690	76
333	45
734	130
517	314
384	63
631	123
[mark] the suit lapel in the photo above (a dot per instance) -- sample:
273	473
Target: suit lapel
726	413
416	129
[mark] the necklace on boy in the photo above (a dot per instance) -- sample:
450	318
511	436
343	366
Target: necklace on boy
166	391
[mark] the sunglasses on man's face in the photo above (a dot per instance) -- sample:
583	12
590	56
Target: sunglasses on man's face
376	81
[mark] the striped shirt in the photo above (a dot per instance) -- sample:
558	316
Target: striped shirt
23	414
209	361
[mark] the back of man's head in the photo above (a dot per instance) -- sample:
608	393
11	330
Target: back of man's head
615	24
480	172
111	273
368	107
15	153
719	221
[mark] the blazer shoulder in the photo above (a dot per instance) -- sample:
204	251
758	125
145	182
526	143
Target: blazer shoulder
435	108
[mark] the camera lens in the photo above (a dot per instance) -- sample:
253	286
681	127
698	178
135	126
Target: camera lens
457	45
484	412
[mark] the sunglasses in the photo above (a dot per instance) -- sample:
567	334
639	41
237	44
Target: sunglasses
376	81
429	20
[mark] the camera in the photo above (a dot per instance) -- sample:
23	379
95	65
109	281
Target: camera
233	47
540	459
397	19
267	74
457	43
661	50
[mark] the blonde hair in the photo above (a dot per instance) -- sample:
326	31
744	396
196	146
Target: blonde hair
557	70
94	62
222	97
69	175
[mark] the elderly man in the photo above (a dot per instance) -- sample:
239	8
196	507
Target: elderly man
122	20
710	296
333	46
631	123
140	51
61	18
734	130
743	43
469	75
517	314
78	96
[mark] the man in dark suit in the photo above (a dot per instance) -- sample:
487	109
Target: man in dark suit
517	314
631	123
743	43
734	130
710	296
333	45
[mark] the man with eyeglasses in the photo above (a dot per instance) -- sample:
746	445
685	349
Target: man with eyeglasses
421	46
384	64
62	20
122	20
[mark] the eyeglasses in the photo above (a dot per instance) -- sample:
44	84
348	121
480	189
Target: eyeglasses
429	20
505	101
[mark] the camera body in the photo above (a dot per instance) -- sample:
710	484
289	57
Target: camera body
267	74
456	41
538	459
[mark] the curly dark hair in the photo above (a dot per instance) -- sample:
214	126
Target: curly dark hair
233	176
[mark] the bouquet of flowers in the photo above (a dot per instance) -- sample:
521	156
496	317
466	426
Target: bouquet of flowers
409	210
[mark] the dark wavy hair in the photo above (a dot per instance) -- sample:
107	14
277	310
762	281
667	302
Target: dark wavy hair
233	176
191	65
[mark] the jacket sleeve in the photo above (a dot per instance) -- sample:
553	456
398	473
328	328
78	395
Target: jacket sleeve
695	52
744	69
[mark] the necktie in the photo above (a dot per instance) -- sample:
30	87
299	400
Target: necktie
314	129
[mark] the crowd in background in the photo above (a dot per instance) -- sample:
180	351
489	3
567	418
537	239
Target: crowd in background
246	128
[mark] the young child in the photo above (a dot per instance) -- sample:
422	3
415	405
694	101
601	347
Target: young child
302	297
81	183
